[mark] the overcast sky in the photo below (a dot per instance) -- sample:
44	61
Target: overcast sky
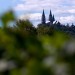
64	10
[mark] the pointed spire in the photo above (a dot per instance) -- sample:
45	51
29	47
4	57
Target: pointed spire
43	12
43	18
50	12
50	17
53	18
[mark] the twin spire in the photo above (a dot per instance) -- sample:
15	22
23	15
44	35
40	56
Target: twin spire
51	17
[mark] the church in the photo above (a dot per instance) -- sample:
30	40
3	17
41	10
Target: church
51	18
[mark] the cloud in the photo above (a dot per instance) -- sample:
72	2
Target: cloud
67	19
71	11
37	4
29	5
24	17
63	10
32	16
36	18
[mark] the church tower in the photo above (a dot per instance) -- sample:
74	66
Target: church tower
43	18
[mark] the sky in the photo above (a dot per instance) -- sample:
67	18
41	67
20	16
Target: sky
64	10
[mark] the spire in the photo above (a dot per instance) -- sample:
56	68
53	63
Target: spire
43	18
53	18
50	17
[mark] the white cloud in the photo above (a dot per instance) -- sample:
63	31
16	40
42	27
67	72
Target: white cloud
71	11
20	7
36	18
67	19
56	5
59	8
24	17
37	4
32	16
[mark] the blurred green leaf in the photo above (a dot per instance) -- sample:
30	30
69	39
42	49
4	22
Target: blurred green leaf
7	17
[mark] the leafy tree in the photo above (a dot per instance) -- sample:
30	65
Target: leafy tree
44	29
22	53
9	15
25	25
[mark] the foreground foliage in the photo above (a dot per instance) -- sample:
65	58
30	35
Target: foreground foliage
25	50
